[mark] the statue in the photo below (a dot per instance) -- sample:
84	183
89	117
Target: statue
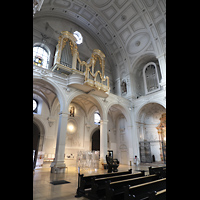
123	86
71	111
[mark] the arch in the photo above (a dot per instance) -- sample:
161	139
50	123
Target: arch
140	108
42	45
93	99
42	130
123	110
91	134
142	60
147	119
57	90
96	140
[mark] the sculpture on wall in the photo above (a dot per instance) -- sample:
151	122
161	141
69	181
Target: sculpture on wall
123	87
71	111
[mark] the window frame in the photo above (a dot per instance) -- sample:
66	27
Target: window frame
45	49
97	123
145	81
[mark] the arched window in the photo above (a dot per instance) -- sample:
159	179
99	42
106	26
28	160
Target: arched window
150	75
41	55
97	118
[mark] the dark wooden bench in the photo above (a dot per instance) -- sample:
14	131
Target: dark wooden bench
85	182
160	195
99	185
142	191
158	170
115	190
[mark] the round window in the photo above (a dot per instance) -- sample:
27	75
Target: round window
78	36
34	104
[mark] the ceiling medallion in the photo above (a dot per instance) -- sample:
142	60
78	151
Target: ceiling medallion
123	17
137	43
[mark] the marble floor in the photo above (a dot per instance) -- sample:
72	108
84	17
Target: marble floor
44	190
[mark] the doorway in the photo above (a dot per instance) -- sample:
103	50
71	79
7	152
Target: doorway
96	141
36	139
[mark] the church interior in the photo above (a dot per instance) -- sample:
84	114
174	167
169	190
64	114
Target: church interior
99	91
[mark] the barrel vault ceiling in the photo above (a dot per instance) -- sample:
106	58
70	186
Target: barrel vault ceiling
126	30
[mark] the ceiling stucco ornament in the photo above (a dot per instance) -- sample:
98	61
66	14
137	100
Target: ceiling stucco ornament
123	17
138	42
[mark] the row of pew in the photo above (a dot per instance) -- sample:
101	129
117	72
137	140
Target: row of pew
124	185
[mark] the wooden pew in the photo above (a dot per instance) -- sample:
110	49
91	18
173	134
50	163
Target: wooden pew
84	182
160	195
115	190
158	170
99	185
142	191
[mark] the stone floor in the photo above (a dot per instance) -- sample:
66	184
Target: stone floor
44	190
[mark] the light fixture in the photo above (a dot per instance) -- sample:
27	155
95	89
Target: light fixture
71	127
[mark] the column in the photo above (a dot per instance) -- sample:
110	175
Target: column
60	144
103	140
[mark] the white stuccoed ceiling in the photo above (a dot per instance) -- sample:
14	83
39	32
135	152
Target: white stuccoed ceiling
125	29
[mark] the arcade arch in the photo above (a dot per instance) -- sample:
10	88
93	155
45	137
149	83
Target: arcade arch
52	102
120	133
148	118
47	90
38	137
